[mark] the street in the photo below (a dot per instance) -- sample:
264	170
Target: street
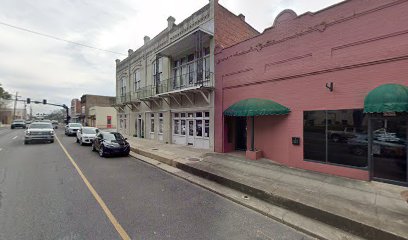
43	196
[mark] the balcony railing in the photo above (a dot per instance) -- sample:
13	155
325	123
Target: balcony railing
178	83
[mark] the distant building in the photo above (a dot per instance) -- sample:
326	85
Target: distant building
75	110
88	101
102	117
6	115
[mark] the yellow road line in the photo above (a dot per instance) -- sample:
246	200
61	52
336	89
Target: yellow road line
108	213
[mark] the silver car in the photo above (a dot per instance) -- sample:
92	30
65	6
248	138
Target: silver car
39	131
72	128
85	135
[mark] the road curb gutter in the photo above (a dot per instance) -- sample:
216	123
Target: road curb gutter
337	221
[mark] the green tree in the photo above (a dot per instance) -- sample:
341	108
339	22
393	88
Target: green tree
4	94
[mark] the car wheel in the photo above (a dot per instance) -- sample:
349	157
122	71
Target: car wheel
93	147
52	141
12	127
26	142
101	152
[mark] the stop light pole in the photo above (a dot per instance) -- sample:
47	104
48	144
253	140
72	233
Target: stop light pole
44	101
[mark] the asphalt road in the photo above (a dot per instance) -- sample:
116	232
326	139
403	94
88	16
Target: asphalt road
42	196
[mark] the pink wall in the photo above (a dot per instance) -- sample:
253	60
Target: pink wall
358	45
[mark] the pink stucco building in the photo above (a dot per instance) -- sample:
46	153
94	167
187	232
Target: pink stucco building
321	66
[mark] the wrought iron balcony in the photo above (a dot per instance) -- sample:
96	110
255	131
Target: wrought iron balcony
186	81
179	83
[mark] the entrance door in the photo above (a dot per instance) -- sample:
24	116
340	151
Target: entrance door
140	128
389	150
240	134
190	132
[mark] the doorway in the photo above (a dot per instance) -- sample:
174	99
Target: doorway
190	132
240	133
140	127
388	151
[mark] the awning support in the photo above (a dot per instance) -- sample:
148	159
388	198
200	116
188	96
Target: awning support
207	99
188	98
175	99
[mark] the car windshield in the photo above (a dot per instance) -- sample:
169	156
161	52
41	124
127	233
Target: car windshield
18	121
75	125
113	137
42	126
89	130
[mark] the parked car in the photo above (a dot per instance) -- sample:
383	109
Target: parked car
39	131
72	128
18	124
110	143
54	124
359	147
86	135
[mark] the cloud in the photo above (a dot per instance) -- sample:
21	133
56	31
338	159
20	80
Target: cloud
39	67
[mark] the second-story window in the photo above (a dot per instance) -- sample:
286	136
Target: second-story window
123	86
157	71
136	83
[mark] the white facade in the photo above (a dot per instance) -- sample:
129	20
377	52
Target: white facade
170	76
103	117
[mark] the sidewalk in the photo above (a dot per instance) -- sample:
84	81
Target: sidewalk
371	210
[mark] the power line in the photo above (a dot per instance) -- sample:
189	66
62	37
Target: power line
59	39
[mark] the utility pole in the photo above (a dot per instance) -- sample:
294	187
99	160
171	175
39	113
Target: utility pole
15	105
25	110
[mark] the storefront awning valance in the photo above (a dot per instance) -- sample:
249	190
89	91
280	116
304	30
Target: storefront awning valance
387	98
256	107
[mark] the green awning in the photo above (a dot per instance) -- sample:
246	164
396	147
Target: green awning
255	107
387	98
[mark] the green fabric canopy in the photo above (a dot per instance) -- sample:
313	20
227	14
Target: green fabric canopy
255	107
387	98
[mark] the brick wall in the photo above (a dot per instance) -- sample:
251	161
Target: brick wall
357	44
229	28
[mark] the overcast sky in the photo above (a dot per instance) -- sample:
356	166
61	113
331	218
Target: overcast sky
39	67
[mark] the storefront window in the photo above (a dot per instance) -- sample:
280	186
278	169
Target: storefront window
176	127
314	134
190	115
191	128
199	128
207	128
183	127
207	114
152	123
336	136
199	114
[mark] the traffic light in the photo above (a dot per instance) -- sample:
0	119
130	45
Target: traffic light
28	101
44	101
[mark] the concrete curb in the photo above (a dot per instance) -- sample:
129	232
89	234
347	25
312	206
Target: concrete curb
332	219
310	227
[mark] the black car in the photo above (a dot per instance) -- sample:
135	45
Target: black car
18	124
110	143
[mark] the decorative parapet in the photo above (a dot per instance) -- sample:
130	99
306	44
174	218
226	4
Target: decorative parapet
168	36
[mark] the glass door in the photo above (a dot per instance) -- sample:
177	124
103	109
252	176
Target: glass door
389	150
190	132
